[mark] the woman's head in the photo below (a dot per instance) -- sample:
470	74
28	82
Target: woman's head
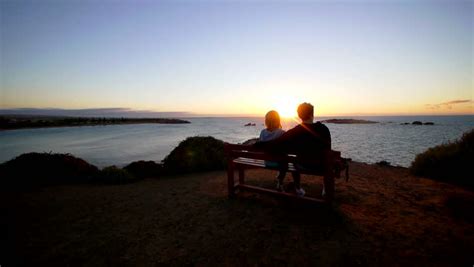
272	120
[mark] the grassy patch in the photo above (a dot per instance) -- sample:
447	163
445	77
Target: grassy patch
115	175
36	169
143	169
449	162
196	154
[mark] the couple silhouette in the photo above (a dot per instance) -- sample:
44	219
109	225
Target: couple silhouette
307	139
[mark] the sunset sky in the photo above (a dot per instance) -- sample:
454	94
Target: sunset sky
239	58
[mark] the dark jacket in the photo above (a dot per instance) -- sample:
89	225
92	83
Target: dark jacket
303	139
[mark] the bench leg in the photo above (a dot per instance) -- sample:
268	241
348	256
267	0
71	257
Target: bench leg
230	179
241	175
329	187
329	177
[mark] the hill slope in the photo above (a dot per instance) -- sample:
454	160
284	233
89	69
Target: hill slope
382	216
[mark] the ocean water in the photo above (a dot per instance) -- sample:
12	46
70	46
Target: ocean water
122	144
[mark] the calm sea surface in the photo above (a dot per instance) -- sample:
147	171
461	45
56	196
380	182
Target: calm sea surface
122	144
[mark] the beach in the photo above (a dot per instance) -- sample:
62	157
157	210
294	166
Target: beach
381	216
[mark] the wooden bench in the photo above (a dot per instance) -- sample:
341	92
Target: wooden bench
241	157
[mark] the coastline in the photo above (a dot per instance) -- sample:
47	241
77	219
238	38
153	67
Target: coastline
35	122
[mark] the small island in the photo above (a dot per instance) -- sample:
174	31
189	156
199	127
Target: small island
349	121
21	122
418	123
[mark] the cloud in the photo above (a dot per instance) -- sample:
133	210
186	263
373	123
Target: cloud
93	112
448	105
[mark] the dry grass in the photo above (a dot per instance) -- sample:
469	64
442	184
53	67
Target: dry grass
449	162
382	216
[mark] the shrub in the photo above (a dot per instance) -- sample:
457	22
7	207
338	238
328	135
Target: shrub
142	169
114	175
196	154
36	169
449	162
383	163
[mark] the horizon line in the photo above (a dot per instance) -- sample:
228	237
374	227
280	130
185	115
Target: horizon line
128	112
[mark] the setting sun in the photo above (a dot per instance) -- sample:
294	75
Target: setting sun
286	107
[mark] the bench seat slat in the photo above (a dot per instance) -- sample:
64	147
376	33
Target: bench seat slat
261	164
315	159
250	188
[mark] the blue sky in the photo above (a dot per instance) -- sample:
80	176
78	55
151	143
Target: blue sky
216	57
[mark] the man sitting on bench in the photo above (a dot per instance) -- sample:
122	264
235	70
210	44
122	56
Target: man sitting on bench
305	139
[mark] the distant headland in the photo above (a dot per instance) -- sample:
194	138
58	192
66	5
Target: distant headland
11	122
348	121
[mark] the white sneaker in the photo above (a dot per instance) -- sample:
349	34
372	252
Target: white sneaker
300	192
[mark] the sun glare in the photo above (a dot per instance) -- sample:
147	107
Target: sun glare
286	107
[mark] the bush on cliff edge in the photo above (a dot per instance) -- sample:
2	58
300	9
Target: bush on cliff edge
115	175
143	169
36	169
451	163
196	154
40	169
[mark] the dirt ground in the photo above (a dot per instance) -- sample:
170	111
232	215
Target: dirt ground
382	216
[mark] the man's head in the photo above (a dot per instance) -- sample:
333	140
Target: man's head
306	112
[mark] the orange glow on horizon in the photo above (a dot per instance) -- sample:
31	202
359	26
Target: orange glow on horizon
285	105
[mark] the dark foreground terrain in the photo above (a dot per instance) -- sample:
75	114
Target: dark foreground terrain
382	216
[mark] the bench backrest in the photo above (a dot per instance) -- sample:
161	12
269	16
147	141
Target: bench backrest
233	151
